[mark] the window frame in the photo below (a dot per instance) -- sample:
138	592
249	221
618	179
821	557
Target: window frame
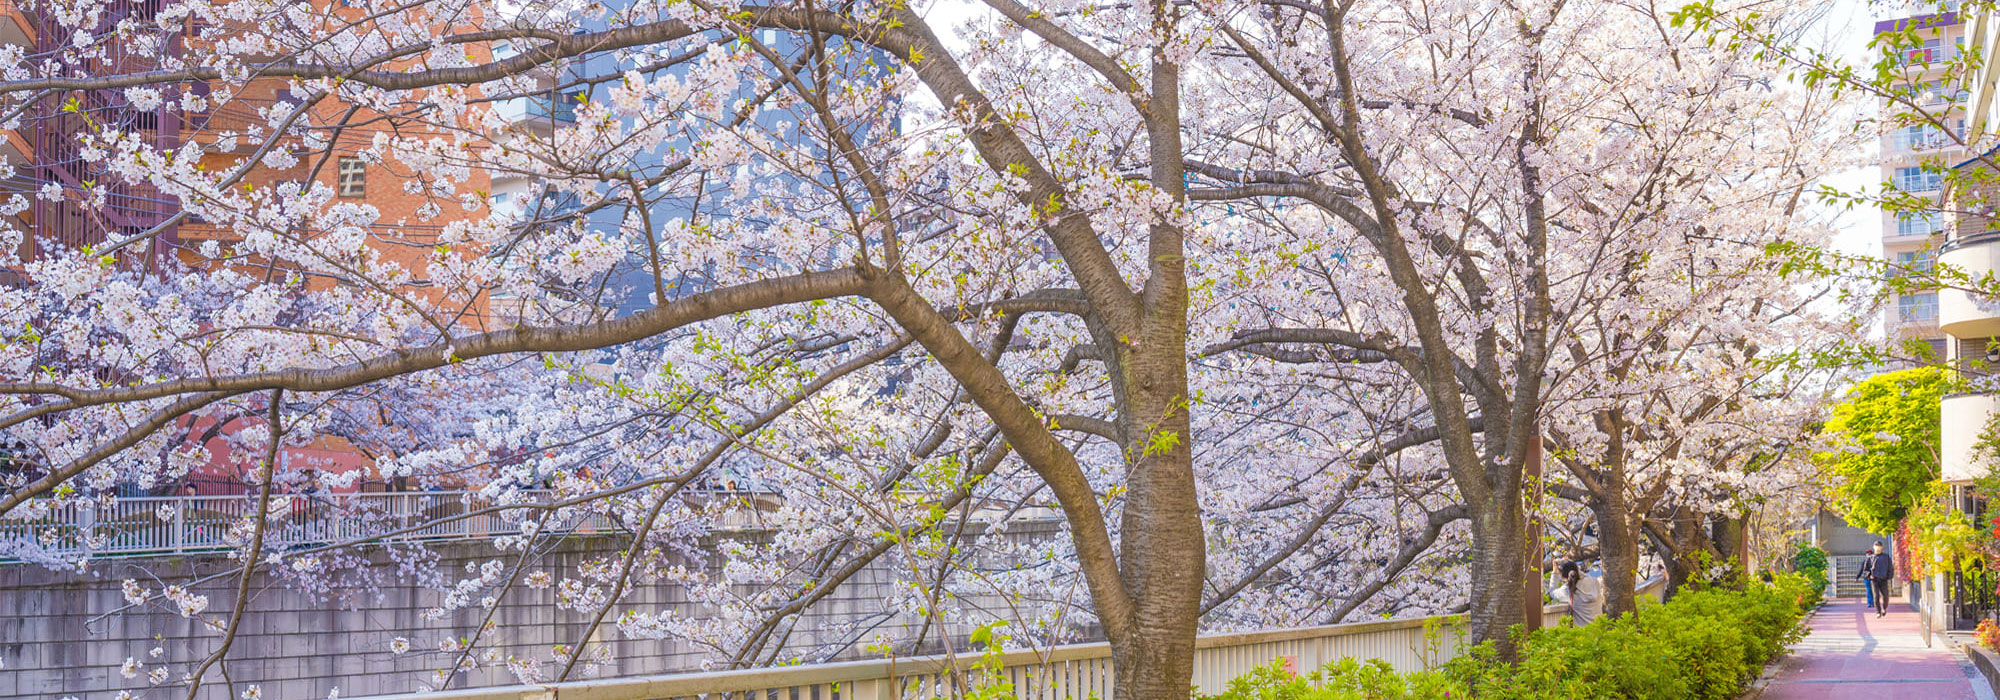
342	172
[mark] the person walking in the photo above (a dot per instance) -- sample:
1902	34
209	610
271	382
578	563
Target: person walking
1584	594
1876	569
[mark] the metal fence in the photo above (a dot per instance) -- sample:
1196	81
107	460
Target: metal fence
160	526
1072	671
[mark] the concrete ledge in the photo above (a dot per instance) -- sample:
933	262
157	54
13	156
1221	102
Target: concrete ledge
1987	663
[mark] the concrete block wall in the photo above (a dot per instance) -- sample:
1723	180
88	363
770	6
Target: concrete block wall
293	647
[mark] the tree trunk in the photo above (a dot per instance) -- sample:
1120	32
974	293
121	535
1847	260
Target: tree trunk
1164	555
1156	664
1618	548
1617	533
1687	538
1163	551
1498	566
1731	539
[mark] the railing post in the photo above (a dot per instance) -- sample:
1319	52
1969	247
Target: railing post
180	525
86	517
399	511
871	689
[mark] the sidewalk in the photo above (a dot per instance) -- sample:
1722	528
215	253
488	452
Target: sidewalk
1851	654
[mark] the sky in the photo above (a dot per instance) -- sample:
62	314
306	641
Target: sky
1847	29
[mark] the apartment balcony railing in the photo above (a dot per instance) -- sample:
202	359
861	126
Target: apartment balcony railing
1906	141
1928	56
541	112
177	525
1922	182
1919	311
561	109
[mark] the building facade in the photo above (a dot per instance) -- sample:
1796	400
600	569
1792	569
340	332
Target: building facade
52	173
1911	155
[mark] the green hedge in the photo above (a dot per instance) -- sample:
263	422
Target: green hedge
1704	644
1811	561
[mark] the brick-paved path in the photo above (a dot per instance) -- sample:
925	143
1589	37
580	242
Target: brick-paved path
1851	654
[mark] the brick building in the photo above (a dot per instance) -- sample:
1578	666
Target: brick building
226	121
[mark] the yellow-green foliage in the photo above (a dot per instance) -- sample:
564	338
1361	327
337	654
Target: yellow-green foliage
1886	437
1704	645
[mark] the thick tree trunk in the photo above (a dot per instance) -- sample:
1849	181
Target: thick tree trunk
1157	664
1731	539
1618	548
1617	533
1164	555
1163	551
1688	537
1499	564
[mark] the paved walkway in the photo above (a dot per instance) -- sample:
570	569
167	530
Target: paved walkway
1852	654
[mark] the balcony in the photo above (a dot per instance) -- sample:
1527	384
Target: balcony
14	145
1963	419
194	230
15	27
1961	314
1929	57
1916	180
540	114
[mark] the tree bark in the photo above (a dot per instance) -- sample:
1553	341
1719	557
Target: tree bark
1618	550
1162	547
1731	537
1498	566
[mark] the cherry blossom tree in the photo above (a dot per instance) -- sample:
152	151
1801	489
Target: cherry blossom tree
1501	223
1214	283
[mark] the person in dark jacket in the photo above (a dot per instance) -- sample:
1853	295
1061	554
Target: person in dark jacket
1876	568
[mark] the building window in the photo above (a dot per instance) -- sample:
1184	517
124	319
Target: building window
1915	308
1918	262
1916	180
353	178
1918	224
1916	137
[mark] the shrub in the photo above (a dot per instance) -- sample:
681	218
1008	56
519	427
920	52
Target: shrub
1811	562
1346	679
1606	660
1809	558
1712	652
1989	634
1814	589
1703	644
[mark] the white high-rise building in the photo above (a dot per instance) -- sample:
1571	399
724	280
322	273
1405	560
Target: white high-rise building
1911	158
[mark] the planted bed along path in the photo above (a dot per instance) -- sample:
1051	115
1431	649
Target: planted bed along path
1851	654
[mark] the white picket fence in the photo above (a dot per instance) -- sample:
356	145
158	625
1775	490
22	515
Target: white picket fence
1070	672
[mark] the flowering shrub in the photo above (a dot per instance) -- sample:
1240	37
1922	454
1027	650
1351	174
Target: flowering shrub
1941	537
1704	644
1989	634
1911	568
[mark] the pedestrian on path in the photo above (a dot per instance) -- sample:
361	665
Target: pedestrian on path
1584	594
1876	568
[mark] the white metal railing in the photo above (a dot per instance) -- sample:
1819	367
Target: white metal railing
172	525
1903	140
1916	180
1071	671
